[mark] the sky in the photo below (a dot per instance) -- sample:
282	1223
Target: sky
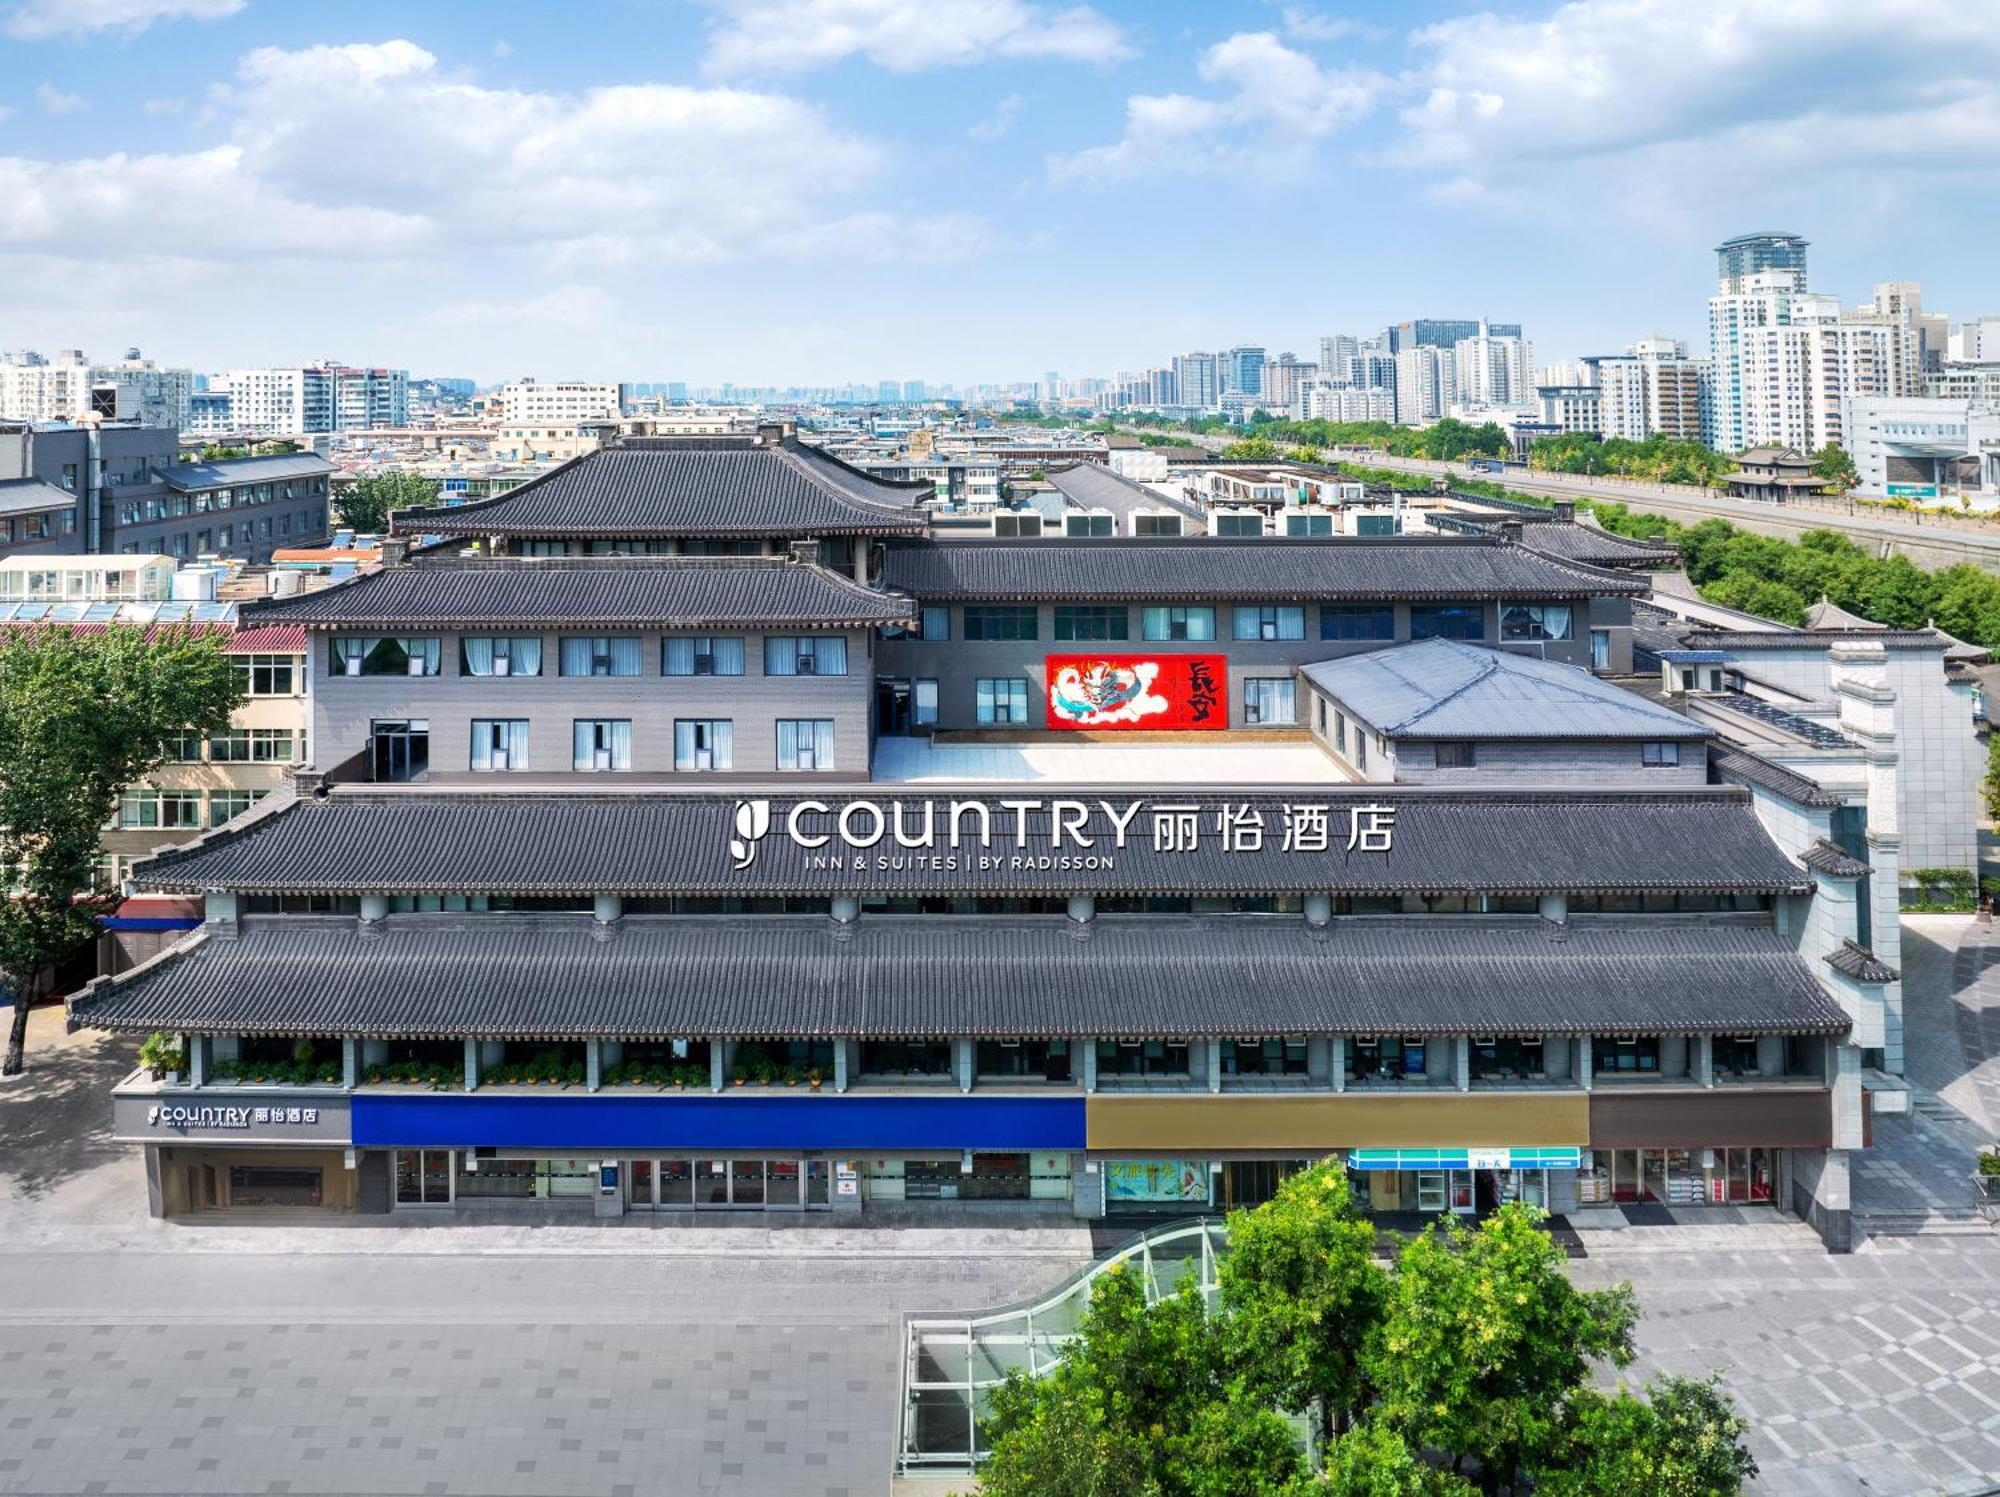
819	191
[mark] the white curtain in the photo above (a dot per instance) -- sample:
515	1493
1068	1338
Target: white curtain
423	655
586	732
621	742
805	743
728	655
349	652
575	657
788	743
831	651
680	657
781	655
483	734
479	656
625	657
524	656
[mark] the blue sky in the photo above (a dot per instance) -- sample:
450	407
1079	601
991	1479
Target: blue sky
825	190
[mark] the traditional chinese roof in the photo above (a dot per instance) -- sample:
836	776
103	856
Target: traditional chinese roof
234	470
633	592
1440	688
1823	857
1740	766
555	977
389	840
660	487
1269	569
1858	962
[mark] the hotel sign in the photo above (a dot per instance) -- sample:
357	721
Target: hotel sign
224	1116
1032	834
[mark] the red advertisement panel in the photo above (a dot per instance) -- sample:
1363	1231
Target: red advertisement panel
1168	693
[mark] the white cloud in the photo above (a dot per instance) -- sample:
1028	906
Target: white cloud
54	101
164	106
35	20
1809	85
761	37
1001	121
431	163
1311	26
1279	101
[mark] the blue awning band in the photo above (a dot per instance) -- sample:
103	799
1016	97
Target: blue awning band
1461	1159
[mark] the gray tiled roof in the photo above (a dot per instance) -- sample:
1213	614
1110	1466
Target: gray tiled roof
29	496
1812	639
1595	548
1514	841
1737	765
1439	688
1861	964
688	592
716	486
1092	487
942	975
1276	569
1825	858
232	470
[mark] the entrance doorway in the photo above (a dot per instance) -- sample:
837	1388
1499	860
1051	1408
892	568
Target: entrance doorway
892	706
399	750
735	1184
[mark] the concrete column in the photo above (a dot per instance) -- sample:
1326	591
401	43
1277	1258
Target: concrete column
350	1063
1844	1074
472	1065
1555	908
607	909
1337	1061
861	559
718	1064
1319	909
1583	1061
1463	1045
840	1053
198	1059
964	1059
1214	1049
1440	1059
374	907
593	1066
1704	1059
1089	1071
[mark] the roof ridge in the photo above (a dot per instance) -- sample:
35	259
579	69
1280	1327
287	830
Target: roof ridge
1488	666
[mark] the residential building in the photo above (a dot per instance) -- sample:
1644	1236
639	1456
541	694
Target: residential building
1901	304
1653	389
1443	332
1243	372
1426	384
72	388
529	402
1747	304
1283	378
1569	408
1974	342
1739	261
1494	370
1335	349
1797	375
1198	379
1324	401
307	400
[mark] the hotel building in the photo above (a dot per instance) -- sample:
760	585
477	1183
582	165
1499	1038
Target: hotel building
692	830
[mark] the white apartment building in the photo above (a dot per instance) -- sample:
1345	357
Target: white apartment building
308	399
1426	384
529	402
73	388
1654	389
1199	378
1737	312
1974	342
1329	400
1797	376
1571	407
1495	371
1920	448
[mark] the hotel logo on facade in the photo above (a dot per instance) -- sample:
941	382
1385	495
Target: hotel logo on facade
1031	834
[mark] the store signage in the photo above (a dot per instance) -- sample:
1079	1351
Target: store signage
171	1115
1912	490
861	836
1171	693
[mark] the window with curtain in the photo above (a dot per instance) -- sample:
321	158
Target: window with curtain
1535	621
805	743
1268	700
923	701
1003	700
499	743
369	655
805	655
1192	623
704	743
936	622
500	655
1269	621
602	743
616	655
703	655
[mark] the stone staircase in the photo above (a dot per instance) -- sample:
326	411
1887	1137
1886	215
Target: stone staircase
1932	1221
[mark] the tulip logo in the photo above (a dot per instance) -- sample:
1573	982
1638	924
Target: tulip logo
753	825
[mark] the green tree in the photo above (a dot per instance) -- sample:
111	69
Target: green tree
81	717
1758	595
1486	1340
1250	450
1989	787
1684	1440
368	503
1303	1294
1147	1385
1372	1460
1832	464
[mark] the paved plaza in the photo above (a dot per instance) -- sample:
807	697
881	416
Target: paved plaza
139	1357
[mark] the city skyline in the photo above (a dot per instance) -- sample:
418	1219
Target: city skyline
503	194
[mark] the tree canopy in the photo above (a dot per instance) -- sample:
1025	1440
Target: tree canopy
1465	1365
81	717
367	504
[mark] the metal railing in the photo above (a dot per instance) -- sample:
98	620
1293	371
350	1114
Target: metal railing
951	1363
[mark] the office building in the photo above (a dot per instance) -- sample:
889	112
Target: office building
528	402
1924	449
1243	372
1571	408
1444	332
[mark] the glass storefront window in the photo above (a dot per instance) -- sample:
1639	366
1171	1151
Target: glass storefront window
423	1177
1034	1060
1679	1177
905	1058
